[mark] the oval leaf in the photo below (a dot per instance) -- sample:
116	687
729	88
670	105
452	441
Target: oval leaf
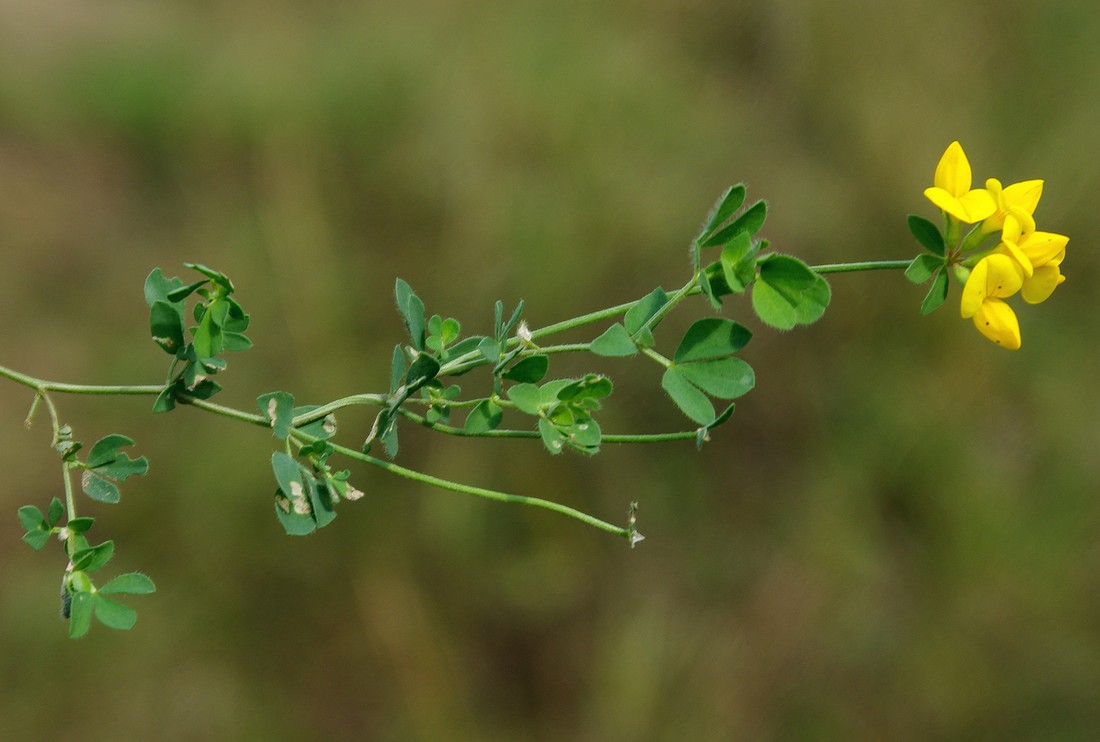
114	615
690	400
614	342
131	583
725	378
712	337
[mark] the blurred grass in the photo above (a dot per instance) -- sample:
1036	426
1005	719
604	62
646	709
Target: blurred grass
895	537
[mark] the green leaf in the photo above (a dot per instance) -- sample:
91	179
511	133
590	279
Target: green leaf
94	557
584	436
321	500
235	341
738	263
106	448
157	288
278	408
80	525
712	337
504	329
36	527
389	439
725	378
177	295
750	221
397	369
80	617
643	309
590	388
31	518
687	397
124	467
219	312
527	397
412	311
450	330
324	428
422	370
216	276
36	539
166	400
99	488
54	512
489	349
531	369
927	234
710	290
483	418
207	338
552	438
288	474
293	504
922	268
166	325
937	294
615	341
114	615
702	435
237	321
293	523
787	293
131	583
725	207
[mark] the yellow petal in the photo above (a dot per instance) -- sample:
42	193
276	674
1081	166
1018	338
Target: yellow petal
1041	285
998	322
953	171
976	205
973	294
1004	276
1024	195
943	200
1013	251
1044	247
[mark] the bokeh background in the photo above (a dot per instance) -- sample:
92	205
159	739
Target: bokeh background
896	537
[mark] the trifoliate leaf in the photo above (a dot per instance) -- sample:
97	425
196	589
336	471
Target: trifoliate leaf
788	293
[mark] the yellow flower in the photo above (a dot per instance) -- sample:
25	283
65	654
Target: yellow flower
951	191
994	278
1039	255
1019	199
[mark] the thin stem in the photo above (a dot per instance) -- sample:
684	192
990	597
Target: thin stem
57	386
680	435
867	265
377	400
471	490
688	289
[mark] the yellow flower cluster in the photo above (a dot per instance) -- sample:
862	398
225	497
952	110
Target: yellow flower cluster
1026	261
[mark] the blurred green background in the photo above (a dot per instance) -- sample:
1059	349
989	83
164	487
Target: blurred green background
896	537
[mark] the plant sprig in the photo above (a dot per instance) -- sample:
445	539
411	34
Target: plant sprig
197	323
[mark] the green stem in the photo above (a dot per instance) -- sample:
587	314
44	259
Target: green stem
466	489
681	435
56	386
867	265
